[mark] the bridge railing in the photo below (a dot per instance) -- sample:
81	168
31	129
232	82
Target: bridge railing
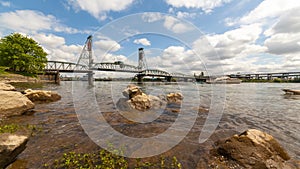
64	66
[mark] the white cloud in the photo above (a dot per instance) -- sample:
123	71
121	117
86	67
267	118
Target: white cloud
175	25
283	43
142	41
98	8
152	16
287	23
5	3
56	47
183	15
50	41
175	59
234	43
279	21
206	5
107	45
269	9
18	21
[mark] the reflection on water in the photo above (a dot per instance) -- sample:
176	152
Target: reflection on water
248	105
292	97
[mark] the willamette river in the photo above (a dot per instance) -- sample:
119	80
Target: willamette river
234	108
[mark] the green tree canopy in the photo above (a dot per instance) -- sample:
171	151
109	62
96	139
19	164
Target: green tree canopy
22	54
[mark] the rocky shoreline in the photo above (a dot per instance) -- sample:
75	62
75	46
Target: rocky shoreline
14	103
250	149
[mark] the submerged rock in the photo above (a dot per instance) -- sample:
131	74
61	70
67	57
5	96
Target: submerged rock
42	96
11	145
132	91
250	149
14	103
7	87
174	97
138	100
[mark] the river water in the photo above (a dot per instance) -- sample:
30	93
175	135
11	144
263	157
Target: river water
65	126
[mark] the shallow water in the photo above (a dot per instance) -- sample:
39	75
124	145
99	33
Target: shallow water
239	107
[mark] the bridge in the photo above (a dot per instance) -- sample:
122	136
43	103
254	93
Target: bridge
268	76
85	64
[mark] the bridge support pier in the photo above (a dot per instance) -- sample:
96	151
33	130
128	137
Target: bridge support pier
139	79
169	78
90	78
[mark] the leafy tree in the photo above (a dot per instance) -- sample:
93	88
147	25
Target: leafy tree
22	54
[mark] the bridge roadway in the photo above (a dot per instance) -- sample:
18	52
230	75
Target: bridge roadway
108	66
282	75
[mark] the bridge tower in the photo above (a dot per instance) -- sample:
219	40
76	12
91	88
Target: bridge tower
142	60
86	58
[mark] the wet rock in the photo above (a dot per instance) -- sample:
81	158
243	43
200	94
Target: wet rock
6	87
136	99
132	91
250	149
41	96
14	103
145	102
140	102
11	145
174	97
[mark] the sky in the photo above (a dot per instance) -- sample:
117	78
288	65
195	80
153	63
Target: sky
179	36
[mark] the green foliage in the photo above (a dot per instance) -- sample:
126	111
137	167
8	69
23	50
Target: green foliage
9	128
2	70
22	54
108	160
12	128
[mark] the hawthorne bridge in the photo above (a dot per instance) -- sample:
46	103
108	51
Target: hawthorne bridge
86	65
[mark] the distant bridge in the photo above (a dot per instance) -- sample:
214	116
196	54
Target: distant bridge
268	76
70	67
85	65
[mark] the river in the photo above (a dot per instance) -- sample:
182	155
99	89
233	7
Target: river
233	109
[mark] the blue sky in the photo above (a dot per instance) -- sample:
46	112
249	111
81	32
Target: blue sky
187	36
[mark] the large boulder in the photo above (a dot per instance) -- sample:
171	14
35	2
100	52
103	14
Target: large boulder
14	103
6	87
41	96
251	149
11	145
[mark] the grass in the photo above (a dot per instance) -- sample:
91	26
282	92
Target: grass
27	85
9	128
13	128
107	160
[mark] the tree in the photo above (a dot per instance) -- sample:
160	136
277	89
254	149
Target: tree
22	54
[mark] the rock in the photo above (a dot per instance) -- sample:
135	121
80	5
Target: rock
138	100
132	91
291	92
174	97
252	149
11	145
41	96
14	103
6	87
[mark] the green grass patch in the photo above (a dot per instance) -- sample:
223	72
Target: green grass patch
9	128
12	128
107	160
27	85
